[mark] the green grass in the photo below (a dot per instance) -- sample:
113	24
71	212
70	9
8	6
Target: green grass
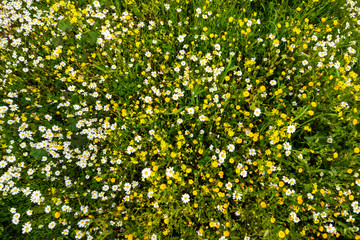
249	108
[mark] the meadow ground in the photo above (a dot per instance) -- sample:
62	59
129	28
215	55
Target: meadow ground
179	119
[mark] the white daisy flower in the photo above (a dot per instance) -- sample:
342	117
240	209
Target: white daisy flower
170	172
146	172
231	147
291	129
185	198
191	111
257	112
272	82
287	146
26	228
52	225
252	152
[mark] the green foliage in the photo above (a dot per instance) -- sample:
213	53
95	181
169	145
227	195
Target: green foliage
185	119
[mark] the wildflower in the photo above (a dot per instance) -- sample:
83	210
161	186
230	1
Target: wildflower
272	82
291	129
287	146
185	198
181	38
52	225
257	112
148	54
170	172
96	4
146	173
202	118
150	194
191	111
26	228
292	181
252	152
137	138
243	173
222	155
231	147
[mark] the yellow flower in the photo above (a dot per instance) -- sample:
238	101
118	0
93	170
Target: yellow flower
162	186
272	220
356	150
263	204
299	199
276	42
231	19
231	133
281	234
57	215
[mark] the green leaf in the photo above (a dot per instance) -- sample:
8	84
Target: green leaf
79	140
204	161
310	139
65	25
198	92
303	111
57	41
100	68
176	112
38	153
92	37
